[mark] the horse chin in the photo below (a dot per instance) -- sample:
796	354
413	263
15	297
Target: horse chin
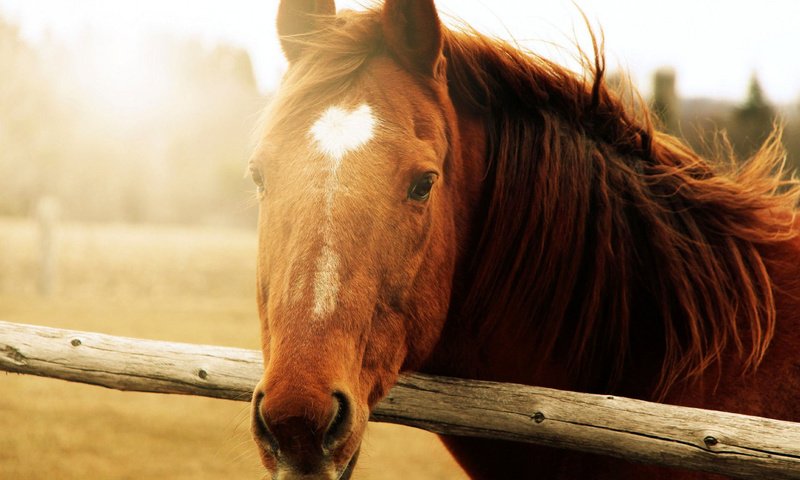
351	465
330	474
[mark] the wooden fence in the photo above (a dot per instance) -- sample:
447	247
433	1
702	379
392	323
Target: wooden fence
739	446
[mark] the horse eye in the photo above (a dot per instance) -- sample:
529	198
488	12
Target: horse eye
257	179
420	189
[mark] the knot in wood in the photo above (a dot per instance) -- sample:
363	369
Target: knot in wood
76	342
13	355
202	374
538	417
710	441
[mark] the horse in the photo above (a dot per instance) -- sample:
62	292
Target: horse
437	200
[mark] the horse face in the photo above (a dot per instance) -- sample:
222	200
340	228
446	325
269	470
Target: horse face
355	258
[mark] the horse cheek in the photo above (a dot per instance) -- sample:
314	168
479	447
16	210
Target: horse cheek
429	298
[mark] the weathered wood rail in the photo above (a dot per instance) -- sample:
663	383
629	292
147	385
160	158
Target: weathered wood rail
735	445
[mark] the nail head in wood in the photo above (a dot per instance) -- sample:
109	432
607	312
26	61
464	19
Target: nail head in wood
710	441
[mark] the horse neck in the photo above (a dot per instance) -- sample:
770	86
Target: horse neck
590	242
512	349
468	352
781	259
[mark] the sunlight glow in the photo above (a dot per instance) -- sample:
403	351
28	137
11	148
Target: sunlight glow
124	76
714	45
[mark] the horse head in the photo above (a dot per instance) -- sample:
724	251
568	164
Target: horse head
357	225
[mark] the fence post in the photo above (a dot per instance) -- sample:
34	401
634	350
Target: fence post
47	213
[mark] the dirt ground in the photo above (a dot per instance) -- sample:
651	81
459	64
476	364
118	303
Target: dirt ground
178	284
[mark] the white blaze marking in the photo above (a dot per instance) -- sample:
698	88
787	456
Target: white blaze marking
326	281
336	133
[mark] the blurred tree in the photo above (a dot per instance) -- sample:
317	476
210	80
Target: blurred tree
751	121
28	134
160	137
791	136
665	99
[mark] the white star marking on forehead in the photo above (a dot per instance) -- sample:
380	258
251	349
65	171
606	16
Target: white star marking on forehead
339	131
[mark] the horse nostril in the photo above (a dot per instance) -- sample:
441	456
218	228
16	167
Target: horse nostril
263	435
340	423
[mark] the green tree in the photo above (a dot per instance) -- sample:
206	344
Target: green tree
665	99
752	121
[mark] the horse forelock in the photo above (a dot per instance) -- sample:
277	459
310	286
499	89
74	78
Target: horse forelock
326	71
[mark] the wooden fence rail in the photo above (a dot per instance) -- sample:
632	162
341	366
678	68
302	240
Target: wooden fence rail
735	445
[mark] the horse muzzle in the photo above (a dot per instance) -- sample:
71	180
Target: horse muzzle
305	433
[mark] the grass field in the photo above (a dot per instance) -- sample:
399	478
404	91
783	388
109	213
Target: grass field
179	284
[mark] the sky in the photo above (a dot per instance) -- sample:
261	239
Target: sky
715	46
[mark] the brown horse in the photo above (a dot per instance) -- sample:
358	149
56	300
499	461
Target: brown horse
440	201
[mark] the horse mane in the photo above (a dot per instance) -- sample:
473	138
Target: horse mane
615	242
605	240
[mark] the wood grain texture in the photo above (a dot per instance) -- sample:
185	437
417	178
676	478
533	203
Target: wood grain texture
735	445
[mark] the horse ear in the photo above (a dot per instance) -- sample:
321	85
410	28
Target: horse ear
413	33
297	18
